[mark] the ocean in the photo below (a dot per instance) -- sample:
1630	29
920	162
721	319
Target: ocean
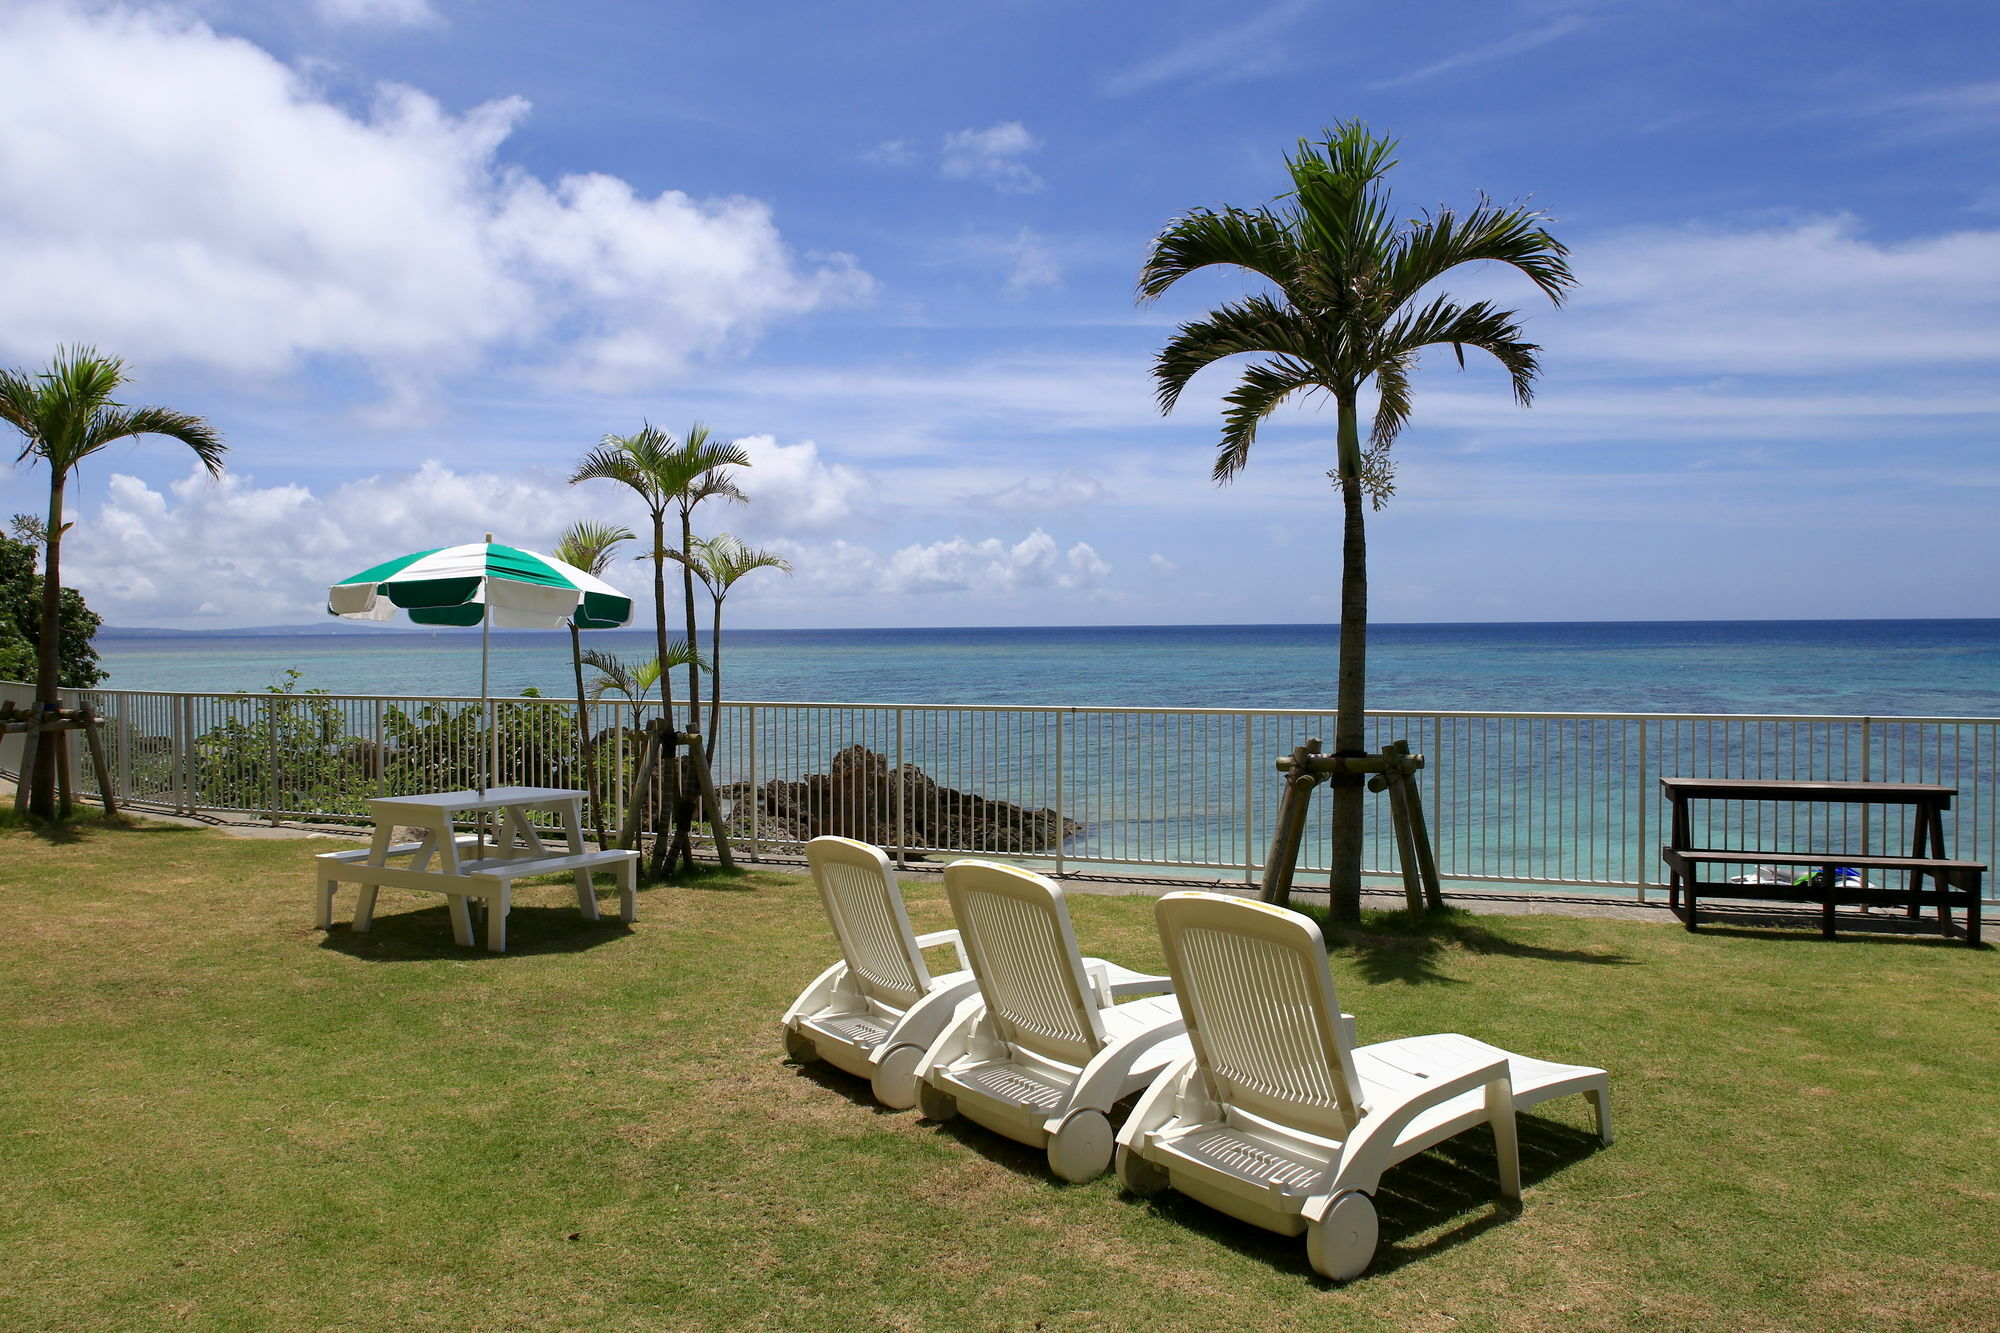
1933	668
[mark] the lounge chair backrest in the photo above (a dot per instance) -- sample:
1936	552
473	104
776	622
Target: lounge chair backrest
868	918
1018	937
1261	1012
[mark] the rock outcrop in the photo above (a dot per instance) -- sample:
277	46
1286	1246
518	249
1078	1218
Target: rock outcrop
858	798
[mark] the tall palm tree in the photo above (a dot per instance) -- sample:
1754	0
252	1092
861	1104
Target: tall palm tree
588	546
65	414
1348	310
704	467
643	463
719	561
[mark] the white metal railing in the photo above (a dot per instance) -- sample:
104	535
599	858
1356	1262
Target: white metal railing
1551	799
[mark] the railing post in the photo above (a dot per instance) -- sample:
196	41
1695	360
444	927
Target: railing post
1868	767
1249	801
1060	816
184	757
750	728
271	735
1645	804
902	799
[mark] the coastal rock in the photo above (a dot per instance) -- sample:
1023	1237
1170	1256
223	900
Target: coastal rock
858	797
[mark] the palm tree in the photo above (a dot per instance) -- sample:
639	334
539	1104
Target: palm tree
66	414
588	546
1345	314
704	464
630	680
642	463
719	561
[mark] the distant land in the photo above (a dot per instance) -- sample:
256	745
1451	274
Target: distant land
328	626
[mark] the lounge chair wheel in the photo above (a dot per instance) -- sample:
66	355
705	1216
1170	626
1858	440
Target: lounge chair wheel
895	1081
935	1103
799	1046
1138	1175
1341	1244
1081	1149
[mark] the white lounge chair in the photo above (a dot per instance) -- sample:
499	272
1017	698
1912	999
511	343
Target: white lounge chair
1053	1039
876	1011
1276	1119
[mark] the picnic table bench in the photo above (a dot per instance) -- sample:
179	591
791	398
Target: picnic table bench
1953	883
487	875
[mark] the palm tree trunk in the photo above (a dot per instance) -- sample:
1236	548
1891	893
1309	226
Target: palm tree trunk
684	813
714	682
585	750
670	783
693	631
1350	735
48	659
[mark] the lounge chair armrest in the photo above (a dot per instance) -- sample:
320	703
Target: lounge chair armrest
817	996
1370	1149
1126	990
1160	1104
937	939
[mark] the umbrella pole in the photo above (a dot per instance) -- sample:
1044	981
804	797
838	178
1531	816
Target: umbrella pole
490	761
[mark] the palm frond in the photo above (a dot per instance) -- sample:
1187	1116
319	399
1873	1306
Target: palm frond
123	423
1204	237
635	680
1263	387
1255	324
1341	212
720	561
1480	325
588	544
1392	401
1433	246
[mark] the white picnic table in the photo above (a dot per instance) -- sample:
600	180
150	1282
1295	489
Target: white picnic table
480	866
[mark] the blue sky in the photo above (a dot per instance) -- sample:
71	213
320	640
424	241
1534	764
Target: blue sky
414	257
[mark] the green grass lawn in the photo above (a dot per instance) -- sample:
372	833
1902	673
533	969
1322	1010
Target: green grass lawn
215	1117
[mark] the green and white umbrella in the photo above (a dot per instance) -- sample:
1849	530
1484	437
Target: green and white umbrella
484	584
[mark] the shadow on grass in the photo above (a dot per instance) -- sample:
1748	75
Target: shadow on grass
850	1086
424	935
704	879
1433	1202
1879	928
85	826
1409	947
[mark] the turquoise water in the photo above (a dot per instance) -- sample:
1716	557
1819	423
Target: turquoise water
1875	667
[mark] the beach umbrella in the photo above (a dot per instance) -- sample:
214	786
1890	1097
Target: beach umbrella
483	584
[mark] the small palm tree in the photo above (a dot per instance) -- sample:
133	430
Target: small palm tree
66	414
588	546
1348	310
719	561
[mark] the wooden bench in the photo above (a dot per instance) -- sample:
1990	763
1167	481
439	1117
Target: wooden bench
1957	884
489	880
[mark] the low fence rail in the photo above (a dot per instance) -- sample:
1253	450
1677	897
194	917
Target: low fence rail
1559	800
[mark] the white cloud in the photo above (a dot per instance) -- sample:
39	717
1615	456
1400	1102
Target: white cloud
794	490
1161	565
1245	50
1810	298
992	157
891	153
384	13
1071	488
199	552
277	226
233	552
1518	44
992	566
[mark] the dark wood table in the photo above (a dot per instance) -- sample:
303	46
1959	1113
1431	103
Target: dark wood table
1954	883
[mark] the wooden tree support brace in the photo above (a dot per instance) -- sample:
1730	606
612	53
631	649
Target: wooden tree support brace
55	724
1394	772
661	752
